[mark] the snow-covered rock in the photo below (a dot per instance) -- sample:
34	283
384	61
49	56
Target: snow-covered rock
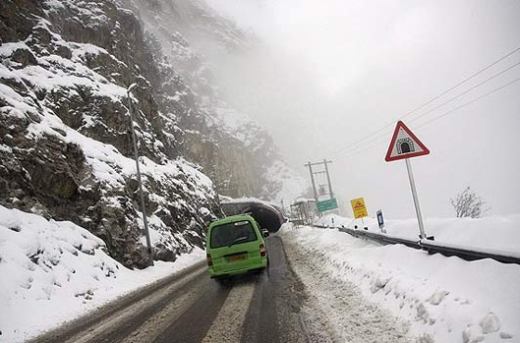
52	271
66	147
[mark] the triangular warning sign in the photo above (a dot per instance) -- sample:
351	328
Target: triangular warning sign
404	144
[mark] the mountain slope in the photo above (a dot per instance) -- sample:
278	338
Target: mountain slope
65	139
66	148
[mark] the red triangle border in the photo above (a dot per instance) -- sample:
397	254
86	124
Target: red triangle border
399	125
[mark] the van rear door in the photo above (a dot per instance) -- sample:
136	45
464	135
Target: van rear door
234	246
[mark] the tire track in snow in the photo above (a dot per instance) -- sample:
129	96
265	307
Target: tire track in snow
113	321
337	306
195	321
122	324
177	305
227	327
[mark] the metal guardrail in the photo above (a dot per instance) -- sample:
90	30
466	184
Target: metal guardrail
431	247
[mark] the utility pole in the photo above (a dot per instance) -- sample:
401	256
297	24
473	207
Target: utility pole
136	156
324	205
309	164
325	162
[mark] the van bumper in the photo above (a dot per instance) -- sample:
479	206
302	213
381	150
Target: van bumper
230	272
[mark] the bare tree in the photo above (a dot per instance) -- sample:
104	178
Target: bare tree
468	204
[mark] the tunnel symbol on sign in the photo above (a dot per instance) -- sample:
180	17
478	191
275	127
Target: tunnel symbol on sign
405	145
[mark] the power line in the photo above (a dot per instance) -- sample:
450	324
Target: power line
466	91
428	122
390	124
469	102
375	138
466	79
436	107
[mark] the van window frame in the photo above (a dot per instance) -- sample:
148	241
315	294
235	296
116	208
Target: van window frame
251	224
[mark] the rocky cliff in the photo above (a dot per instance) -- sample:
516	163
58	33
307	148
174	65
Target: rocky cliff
238	154
65	134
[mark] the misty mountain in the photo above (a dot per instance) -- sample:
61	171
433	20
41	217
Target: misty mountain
65	139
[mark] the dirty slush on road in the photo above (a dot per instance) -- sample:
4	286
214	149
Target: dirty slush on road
292	301
334	310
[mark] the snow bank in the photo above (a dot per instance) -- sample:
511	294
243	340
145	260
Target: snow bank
499	234
54	271
446	299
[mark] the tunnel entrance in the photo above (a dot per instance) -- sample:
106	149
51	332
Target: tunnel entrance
267	215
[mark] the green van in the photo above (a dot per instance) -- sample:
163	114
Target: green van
235	245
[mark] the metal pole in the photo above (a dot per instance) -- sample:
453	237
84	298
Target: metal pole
328	177
136	156
312	181
415	199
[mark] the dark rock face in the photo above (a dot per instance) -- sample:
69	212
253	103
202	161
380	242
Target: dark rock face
65	143
239	155
65	137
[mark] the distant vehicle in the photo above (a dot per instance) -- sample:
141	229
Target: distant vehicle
235	245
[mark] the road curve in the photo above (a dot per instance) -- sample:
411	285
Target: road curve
190	307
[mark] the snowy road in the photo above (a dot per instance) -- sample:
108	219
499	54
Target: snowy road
276	306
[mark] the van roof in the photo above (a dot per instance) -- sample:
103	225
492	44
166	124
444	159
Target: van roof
231	219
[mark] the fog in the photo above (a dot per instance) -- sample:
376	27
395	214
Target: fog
323	75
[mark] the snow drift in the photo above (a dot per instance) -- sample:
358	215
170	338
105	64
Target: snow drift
445	299
53	271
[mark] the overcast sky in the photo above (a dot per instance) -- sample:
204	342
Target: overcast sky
328	73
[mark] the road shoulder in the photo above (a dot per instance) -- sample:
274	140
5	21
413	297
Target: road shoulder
336	307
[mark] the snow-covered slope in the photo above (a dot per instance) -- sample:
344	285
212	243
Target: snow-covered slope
496	233
445	299
52	271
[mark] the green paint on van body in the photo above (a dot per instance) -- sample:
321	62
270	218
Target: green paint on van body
235	245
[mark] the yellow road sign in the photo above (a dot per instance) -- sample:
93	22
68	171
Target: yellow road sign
359	208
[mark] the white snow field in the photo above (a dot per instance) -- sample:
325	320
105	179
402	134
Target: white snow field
444	299
54	271
499	234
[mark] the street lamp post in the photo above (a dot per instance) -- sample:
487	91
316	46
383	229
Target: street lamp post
136	157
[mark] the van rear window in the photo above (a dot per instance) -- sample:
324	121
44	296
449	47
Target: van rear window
232	233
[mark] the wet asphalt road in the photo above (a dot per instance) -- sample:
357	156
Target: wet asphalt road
190	307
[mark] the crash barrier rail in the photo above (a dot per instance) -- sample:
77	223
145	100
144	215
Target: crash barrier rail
431	247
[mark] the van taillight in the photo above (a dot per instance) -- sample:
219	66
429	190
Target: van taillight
210	261
262	250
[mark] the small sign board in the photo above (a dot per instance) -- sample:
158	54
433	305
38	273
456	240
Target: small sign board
380	219
326	205
359	208
404	144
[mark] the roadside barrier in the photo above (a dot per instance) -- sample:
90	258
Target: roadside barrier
431	247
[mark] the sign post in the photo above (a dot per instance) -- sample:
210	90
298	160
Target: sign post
404	145
415	198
